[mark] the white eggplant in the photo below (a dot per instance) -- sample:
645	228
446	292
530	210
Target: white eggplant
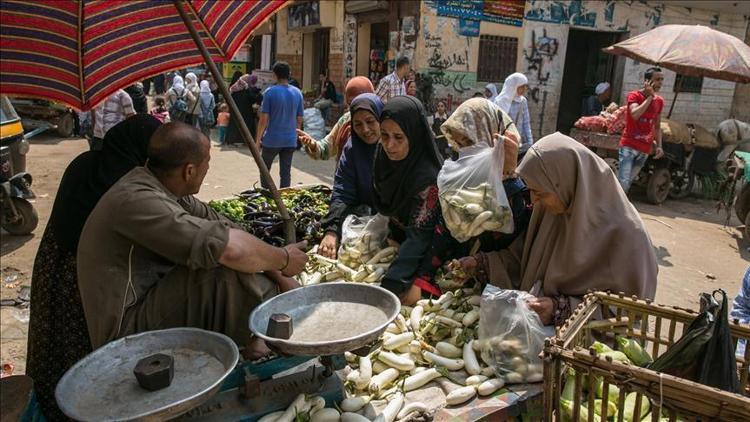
271	417
398	341
299	405
381	255
416	317
450	364
392	409
490	386
395	361
470	318
448	350
382	380
378	367
411	408
316	404
476	379
353	417
353	404
326	415
470	360
415	381
461	395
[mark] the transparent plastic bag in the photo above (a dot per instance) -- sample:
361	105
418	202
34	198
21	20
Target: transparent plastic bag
472	196
362	238
511	336
313	123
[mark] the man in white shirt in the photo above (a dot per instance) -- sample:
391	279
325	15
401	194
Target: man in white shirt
116	108
393	85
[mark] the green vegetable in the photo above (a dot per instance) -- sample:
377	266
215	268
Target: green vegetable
633	351
616	356
566	410
613	392
601	347
611	408
629	409
570	386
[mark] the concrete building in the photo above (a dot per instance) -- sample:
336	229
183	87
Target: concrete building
458	46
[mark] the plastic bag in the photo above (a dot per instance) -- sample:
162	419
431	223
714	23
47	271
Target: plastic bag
313	123
511	336
705	352
472	196
362	238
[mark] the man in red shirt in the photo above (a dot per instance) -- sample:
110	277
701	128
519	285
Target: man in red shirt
642	129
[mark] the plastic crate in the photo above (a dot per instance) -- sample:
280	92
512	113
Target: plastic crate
656	327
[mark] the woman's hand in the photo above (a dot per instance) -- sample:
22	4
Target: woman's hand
511	146
544	307
411	296
307	141
329	245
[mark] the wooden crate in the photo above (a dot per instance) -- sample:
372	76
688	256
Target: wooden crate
656	327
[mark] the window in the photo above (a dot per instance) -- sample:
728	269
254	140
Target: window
684	83
497	58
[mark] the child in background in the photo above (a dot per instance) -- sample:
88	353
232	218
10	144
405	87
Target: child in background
222	121
160	111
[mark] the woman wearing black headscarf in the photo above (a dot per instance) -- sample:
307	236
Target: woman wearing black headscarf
405	172
58	336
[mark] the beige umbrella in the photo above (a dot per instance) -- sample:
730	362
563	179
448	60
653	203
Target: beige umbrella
691	50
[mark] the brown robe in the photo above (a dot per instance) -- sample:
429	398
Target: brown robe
599	243
148	260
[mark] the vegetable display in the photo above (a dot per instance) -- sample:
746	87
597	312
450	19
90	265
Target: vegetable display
256	212
470	211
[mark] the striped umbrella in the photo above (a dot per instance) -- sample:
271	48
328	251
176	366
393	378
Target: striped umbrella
80	52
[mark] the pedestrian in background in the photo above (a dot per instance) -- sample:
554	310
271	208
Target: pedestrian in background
594	104
116	108
280	117
327	96
159	111
248	98
393	85
178	98
411	87
642	128
159	82
512	101
490	92
194	107
207	105
222	121
138	97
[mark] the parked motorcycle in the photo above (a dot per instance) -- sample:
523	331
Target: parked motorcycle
17	214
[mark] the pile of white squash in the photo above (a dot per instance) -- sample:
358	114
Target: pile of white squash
362	262
434	339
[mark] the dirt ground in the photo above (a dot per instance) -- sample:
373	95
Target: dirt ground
696	251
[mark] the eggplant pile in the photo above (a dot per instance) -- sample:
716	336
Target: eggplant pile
255	210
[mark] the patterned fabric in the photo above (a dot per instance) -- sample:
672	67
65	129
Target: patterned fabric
58	337
112	111
80	52
389	87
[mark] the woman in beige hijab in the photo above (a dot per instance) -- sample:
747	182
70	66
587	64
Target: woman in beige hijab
584	234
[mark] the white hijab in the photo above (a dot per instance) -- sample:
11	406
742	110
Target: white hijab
493	89
192	81
205	87
177	84
510	91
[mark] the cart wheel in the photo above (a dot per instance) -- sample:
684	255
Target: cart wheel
682	183
28	218
66	125
742	203
614	164
658	186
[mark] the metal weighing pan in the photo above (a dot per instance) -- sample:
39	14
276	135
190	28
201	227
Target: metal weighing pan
328	319
102	387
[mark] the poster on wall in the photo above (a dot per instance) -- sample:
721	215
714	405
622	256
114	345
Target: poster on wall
303	14
231	67
350	45
507	12
464	9
468	27
242	55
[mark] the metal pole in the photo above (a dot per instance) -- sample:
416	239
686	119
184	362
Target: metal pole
289	229
677	89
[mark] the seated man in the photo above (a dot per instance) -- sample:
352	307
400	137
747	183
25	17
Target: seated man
151	256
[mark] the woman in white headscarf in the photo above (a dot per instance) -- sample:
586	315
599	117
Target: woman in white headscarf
513	102
207	104
194	106
175	93
490	92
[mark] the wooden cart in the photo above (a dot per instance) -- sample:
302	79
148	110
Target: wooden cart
664	177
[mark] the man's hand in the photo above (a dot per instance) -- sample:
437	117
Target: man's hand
659	153
328	245
411	296
297	259
648	89
307	141
544	307
286	283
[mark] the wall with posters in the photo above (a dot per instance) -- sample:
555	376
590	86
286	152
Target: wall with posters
546	29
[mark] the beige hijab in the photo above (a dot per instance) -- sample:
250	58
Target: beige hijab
599	243
478	120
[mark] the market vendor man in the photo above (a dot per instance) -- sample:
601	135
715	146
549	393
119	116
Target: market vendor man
152	256
594	104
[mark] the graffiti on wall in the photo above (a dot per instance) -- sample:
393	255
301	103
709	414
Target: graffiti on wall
458	81
439	61
541	49
350	45
564	12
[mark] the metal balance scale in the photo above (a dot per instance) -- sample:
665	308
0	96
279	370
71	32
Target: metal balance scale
320	321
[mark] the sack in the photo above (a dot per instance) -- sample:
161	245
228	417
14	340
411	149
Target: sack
705	352
511	336
616	121
471	192
313	123
702	138
362	238
179	109
675	132
592	124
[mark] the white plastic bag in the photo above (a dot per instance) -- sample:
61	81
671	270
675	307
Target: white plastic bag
362	238
472	196
313	123
511	336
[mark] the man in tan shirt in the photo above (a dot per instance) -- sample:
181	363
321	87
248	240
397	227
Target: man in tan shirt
151	256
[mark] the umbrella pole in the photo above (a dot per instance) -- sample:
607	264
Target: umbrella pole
289	229
677	89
